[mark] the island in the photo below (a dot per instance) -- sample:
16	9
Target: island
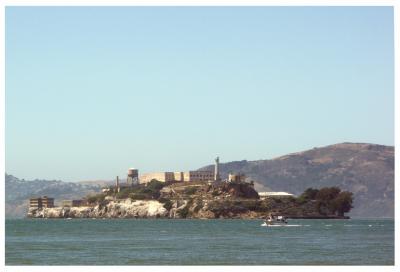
201	200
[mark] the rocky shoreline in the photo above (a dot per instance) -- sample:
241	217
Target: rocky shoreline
203	201
120	209
155	209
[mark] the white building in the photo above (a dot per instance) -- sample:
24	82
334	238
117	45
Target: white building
274	194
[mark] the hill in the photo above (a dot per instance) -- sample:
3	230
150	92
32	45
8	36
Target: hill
367	170
19	191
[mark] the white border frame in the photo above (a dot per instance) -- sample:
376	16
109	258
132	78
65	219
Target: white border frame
5	3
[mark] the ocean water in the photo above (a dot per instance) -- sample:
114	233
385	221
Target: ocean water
198	242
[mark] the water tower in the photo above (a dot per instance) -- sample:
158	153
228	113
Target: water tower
133	177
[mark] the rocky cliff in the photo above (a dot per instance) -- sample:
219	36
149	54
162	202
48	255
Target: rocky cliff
249	209
113	209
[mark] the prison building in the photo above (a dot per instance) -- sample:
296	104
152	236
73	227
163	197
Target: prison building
47	202
35	203
41	202
198	176
160	176
73	203
177	176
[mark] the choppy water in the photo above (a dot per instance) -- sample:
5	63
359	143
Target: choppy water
198	242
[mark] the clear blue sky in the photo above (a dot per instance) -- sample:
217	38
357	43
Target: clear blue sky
93	91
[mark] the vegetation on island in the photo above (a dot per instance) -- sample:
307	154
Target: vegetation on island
138	192
232	200
329	200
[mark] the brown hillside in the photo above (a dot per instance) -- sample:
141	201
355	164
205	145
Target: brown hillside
367	170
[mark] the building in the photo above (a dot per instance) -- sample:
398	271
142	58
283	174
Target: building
264	195
73	203
47	202
239	177
189	176
160	176
177	176
41	202
35	203
198	176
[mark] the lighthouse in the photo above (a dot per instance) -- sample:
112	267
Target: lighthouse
216	171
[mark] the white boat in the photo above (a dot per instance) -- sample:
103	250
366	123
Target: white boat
275	221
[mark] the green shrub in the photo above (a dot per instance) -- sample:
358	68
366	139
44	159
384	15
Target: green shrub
265	205
167	203
250	205
124	193
301	200
190	190
155	185
152	189
147	191
95	198
138	196
184	212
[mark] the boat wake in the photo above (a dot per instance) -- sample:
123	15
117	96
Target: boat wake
288	225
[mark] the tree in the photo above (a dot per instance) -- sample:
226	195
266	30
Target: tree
325	197
155	185
328	193
310	194
343	202
152	188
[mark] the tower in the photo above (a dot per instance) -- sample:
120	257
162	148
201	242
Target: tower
117	188
216	171
133	177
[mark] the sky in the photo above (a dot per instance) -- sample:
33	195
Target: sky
92	91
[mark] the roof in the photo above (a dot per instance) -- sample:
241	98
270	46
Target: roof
274	194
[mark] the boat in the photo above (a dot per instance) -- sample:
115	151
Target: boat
278	220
